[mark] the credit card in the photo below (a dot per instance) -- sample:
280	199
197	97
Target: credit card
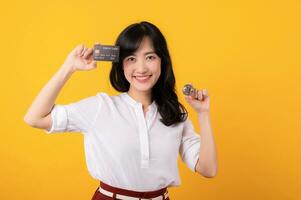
106	53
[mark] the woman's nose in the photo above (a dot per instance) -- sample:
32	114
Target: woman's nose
141	67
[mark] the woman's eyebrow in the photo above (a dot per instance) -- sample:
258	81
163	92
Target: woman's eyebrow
146	53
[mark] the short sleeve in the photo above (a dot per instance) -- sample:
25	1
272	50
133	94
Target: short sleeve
190	145
74	117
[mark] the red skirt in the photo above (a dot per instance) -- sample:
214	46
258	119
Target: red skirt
113	193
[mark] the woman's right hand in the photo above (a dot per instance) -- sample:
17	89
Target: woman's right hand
80	59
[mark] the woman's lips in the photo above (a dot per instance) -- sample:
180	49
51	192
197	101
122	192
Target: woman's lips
142	79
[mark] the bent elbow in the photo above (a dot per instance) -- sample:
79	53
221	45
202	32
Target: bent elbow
29	121
207	173
210	175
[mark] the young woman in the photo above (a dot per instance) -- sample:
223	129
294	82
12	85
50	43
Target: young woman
132	140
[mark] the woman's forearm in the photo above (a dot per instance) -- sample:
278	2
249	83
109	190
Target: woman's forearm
45	100
207	163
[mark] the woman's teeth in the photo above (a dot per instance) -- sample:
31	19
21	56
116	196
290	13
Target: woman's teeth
142	77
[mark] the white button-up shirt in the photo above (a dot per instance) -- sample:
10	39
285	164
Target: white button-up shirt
124	148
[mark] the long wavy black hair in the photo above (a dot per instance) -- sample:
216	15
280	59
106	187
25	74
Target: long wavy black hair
163	92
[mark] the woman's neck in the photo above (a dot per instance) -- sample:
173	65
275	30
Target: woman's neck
145	98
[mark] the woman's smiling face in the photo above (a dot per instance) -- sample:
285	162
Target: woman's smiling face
142	69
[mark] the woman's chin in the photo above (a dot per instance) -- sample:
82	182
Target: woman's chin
140	88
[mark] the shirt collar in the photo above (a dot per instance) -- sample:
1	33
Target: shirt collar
126	97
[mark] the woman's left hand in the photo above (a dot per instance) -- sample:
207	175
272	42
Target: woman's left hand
200	104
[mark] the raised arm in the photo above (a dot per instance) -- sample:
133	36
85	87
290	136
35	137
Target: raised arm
38	114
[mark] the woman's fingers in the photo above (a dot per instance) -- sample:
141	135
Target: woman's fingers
205	92
79	48
83	52
201	94
88	52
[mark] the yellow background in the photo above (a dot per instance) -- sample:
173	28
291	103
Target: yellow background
246	53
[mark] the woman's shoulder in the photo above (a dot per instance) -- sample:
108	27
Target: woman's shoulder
108	98
102	95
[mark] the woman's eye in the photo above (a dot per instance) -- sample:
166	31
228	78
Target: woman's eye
152	57
131	59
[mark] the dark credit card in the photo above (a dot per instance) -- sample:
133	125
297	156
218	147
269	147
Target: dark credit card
106	53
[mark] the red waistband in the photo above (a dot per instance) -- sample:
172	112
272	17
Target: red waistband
146	194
